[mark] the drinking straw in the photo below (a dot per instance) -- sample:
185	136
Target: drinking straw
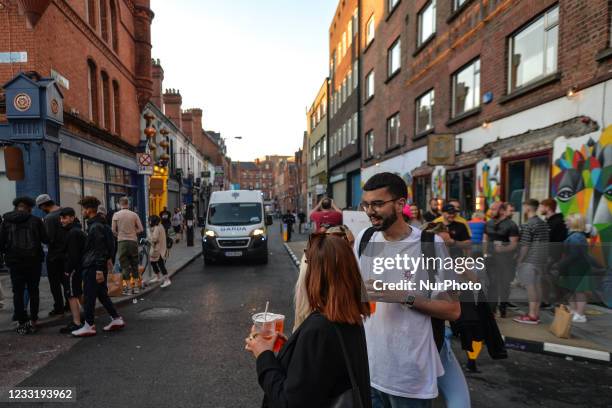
266	311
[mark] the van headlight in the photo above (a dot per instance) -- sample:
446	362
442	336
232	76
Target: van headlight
210	233
257	232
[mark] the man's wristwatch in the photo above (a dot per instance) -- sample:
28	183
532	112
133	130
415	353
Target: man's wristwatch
410	300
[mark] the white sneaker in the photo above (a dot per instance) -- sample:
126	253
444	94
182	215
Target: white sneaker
85	331
115	324
578	318
165	283
155	279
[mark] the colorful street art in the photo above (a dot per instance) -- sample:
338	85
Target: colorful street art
488	173
582	181
438	182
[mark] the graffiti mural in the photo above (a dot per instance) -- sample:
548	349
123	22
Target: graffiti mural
582	181
438	182
488	173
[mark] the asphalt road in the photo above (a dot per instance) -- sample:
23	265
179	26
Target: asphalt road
183	347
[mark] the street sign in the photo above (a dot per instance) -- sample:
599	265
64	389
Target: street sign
145	163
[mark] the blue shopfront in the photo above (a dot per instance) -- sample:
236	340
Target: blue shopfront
56	161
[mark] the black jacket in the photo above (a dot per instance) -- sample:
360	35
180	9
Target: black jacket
14	257
73	250
57	236
310	370
558	234
99	245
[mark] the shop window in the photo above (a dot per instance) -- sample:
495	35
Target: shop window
70	165
460	185
93	170
422	192
528	178
466	88
533	50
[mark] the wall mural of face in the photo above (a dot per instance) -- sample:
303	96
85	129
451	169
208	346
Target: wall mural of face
582	183
488	174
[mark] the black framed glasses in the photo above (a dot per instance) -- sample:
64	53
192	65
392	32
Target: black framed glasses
375	205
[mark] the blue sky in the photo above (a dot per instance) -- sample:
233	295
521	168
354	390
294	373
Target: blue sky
253	66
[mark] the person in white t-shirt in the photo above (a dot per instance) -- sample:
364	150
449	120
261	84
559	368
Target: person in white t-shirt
403	357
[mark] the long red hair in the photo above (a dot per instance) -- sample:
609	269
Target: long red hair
333	283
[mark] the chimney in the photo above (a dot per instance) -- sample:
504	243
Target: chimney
172	106
196	116
157	73
187	124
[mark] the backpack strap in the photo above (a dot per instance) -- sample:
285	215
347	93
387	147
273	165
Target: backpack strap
365	238
429	251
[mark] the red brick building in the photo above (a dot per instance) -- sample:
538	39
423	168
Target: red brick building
99	53
522	86
255	175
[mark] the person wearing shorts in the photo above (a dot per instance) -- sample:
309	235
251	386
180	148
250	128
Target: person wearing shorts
73	252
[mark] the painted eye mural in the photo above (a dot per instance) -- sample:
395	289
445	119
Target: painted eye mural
582	182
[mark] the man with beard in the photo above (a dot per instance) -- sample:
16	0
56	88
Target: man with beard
403	356
434	211
499	244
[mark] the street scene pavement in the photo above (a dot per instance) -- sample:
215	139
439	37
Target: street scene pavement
184	347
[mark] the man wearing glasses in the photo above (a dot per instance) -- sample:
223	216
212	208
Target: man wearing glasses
403	355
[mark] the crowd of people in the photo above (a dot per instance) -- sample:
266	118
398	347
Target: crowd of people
79	258
399	340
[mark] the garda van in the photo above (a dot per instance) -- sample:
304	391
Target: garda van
236	226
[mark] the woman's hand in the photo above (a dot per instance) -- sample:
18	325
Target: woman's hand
257	344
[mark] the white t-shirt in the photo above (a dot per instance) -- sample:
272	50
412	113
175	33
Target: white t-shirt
402	353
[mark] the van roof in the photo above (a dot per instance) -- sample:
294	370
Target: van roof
252	196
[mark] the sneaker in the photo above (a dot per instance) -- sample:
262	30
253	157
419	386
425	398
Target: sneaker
155	279
526	319
578	318
85	331
165	283
54	313
70	328
115	324
25	328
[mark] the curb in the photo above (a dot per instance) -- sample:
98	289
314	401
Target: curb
530	346
294	258
56	321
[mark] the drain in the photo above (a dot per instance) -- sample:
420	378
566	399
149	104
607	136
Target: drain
160	312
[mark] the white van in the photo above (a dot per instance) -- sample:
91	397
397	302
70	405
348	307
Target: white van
236	226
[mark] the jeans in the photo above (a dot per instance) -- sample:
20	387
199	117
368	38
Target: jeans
384	400
94	290
128	257
159	266
452	384
22	278
55	274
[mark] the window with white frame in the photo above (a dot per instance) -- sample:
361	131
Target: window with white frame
533	50
466	88
393	130
313	152
369	85
391	5
370	30
424	112
355	22
344	45
427	22
355	74
394	57
355	127
458	3
349	131
369	144
350	32
349	82
323	142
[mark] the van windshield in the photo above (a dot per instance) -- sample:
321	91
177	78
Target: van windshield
234	213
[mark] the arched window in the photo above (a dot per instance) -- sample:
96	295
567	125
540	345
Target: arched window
114	22
92	90
106	104
91	12
103	20
117	107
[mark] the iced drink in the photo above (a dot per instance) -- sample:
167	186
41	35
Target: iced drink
266	324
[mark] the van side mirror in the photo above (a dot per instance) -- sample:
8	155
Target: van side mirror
269	220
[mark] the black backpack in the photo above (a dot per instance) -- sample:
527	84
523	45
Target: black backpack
428	251
23	240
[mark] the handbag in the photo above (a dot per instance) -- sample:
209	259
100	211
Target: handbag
350	398
562	323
